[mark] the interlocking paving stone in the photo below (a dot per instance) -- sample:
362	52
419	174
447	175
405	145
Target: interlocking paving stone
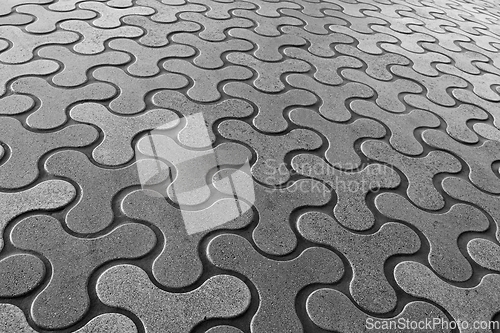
266	26
24	52
94	38
191	175
27	148
179	264
455	117
267	47
463	190
332	310
441	229
270	118
313	24
366	42
55	101
174	100
478	158
387	91
350	187
402	126
15	104
210	56
168	14
221	296
478	303
37	67
223	10
485	253
12	320
277	282
76	66
268	79
93	212
116	148
271	9
420	171
487	131
466	96
109	17
205	85
376	65
156	33
47	195
421	62
366	255
326	68
20	273
47	20
320	45
7	6
343	156
270	149
221	127
214	30
332	98
436	86
65	300
273	234
132	89
146	58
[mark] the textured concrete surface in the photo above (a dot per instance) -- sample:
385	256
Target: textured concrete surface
249	166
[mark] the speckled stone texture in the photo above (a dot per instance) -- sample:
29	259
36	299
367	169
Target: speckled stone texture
249	166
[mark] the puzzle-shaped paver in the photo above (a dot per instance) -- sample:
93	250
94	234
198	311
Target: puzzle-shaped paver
270	116
27	147
156	33
76	66
270	149
65	299
343	155
366	255
402	125
486	253
277	282
334	311
441	229
478	303
463	190
455	117
93	211
210	56
225	166
12	320
273	234
54	102
351	188
196	113
178	265
205	85
132	89
479	158
419	171
221	296
119	131
24	52
215	30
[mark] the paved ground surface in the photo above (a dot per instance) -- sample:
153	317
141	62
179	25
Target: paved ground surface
334	163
